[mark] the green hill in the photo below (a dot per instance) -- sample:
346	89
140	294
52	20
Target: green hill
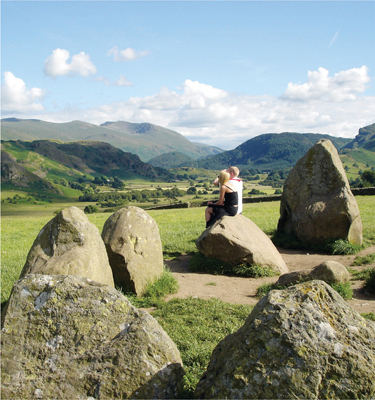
46	162
170	160
269	151
365	139
146	140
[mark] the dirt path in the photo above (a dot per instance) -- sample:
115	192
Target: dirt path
242	290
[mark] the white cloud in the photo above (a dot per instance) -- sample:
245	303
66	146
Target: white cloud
122	81
128	54
15	97
330	105
342	86
57	64
333	40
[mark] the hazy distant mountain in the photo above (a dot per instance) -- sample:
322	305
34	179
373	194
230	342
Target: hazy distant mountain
146	140
365	139
269	151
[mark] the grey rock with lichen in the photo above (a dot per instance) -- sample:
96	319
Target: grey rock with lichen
317	205
67	337
236	240
134	248
69	244
328	271
301	342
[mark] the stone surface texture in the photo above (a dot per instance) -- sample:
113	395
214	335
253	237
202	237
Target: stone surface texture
237	240
69	244
134	248
67	337
328	271
304	342
317	205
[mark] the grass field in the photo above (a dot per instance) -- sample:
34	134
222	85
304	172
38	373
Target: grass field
179	228
195	325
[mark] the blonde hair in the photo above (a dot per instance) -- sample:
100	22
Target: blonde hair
223	177
235	171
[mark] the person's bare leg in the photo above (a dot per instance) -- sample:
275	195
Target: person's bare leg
208	213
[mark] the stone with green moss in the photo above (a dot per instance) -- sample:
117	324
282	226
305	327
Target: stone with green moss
67	337
134	248
69	244
317	205
304	342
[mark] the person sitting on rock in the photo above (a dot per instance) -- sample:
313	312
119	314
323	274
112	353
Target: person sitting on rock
237	182
227	203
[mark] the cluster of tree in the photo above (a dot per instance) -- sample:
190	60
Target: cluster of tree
276	178
112	199
366	179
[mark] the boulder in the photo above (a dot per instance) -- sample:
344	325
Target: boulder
67	337
134	248
304	342
317	205
237	240
69	244
328	271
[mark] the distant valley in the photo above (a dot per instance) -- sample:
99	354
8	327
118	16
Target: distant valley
64	155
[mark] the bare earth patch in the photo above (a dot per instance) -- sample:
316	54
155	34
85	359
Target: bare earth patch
243	290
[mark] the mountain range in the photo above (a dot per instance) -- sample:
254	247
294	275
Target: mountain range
144	139
65	154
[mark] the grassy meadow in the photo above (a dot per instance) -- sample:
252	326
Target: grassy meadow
195	325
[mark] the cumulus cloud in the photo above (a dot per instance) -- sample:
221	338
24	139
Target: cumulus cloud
331	105
15	97
57	64
128	54
342	86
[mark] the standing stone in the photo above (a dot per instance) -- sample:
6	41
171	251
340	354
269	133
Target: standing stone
317	205
304	342
67	337
236	240
69	244
134	248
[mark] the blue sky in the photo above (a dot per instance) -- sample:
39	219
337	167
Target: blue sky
218	72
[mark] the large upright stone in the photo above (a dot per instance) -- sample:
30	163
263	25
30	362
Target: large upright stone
317	205
304	342
69	244
134	248
67	337
236	240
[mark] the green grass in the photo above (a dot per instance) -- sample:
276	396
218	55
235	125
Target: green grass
200	263
369	259
197	326
154	294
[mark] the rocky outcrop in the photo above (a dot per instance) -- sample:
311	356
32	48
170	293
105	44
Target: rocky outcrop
317	205
134	248
237	240
328	271
67	337
69	244
304	342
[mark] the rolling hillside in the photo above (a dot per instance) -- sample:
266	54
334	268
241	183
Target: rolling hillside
365	139
269	151
42	162
146	140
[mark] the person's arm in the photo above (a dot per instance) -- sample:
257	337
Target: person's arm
221	198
